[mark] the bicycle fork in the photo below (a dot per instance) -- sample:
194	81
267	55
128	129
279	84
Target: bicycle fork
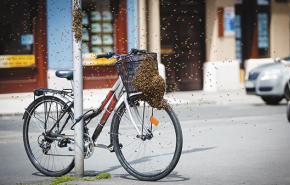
143	133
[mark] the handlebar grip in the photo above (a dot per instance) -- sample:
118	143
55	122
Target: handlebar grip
136	51
142	51
106	55
133	51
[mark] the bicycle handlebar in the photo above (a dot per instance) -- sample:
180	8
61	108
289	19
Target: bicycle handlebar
106	55
111	54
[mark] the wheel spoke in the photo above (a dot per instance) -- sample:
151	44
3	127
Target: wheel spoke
43	151
153	155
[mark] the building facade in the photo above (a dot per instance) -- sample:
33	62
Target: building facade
201	44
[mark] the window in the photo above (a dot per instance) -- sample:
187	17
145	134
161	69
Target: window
16	34
97	27
263	35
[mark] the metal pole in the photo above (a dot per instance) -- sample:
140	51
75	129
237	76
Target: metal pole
78	87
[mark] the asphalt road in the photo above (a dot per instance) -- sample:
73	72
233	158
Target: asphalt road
223	144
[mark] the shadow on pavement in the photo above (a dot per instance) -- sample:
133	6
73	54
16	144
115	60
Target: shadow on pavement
197	150
173	177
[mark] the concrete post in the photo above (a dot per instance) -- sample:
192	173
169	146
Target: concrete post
142	24
78	90
154	37
154	27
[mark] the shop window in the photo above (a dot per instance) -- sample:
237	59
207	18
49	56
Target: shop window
97	27
238	34
263	35
16	34
252	29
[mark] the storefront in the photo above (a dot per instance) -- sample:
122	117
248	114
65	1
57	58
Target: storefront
23	57
104	30
192	34
252	20
36	40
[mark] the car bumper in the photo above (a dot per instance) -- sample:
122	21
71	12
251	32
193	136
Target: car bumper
264	88
250	87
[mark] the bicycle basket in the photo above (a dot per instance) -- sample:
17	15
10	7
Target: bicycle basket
127	67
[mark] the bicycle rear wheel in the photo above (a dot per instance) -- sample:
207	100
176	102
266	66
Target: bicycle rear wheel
51	154
153	154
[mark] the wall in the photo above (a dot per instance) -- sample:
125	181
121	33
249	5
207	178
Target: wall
218	48
59	35
279	30
221	76
221	70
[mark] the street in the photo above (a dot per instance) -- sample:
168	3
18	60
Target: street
223	144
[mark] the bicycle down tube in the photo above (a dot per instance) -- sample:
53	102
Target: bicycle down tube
113	96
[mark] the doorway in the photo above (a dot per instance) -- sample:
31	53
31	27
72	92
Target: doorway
252	29
182	44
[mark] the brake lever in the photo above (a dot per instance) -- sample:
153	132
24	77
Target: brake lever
115	56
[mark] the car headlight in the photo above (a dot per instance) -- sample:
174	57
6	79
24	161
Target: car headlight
271	74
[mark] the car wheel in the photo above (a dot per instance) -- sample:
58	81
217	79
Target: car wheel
287	92
272	100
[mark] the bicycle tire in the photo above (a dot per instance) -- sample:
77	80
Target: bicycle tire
46	154
163	148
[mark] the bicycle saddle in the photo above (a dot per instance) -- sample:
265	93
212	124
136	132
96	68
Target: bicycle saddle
64	73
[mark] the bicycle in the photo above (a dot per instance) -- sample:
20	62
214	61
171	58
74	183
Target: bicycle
147	141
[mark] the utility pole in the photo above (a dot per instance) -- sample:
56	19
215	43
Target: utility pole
78	85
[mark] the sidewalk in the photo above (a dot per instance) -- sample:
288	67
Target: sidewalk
15	103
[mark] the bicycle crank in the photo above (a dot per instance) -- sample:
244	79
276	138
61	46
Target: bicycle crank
88	146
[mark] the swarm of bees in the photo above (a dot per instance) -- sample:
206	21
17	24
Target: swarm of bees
150	83
77	22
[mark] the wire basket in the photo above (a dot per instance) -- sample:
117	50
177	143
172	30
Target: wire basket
127	68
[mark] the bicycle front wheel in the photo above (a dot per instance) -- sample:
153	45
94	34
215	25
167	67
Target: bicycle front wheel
51	154
154	151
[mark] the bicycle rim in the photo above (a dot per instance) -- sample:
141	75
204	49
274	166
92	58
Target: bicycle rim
155	154
51	156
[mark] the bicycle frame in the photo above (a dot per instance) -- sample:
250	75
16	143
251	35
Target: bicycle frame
113	97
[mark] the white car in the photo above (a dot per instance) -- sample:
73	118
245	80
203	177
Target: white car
270	81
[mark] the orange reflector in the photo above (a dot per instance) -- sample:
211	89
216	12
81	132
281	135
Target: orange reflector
154	121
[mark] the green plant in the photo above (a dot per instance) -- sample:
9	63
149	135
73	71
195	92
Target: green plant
88	179
103	176
61	179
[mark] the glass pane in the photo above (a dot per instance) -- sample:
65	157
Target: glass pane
238	33
263	35
98	26
16	33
